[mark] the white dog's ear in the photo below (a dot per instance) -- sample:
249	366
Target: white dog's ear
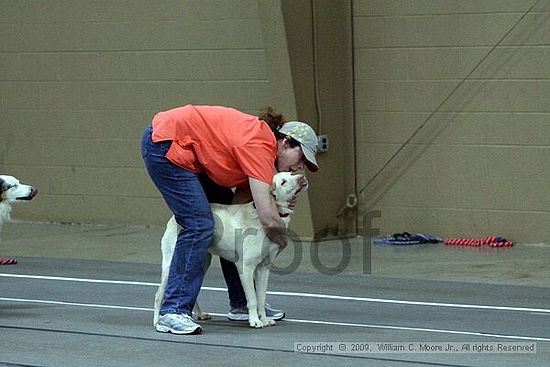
304	184
4	186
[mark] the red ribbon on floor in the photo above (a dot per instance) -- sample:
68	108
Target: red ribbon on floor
491	241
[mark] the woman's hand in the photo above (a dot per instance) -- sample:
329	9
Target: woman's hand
267	212
293	200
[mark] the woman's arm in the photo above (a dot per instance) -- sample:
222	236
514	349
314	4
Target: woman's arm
267	212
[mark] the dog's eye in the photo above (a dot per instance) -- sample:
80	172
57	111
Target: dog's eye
6	187
283	182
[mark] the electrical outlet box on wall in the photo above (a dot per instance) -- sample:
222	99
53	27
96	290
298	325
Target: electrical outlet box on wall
323	143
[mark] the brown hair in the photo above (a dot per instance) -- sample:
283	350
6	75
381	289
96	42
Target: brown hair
274	120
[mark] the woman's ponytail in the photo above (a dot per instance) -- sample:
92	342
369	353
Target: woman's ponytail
274	120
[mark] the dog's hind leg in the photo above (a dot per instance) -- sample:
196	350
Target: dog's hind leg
167	246
261	281
197	312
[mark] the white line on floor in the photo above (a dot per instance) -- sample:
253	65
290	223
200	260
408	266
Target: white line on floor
294	294
82	280
90	305
314	322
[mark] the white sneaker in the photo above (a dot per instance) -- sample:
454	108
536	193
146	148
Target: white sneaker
177	324
241	314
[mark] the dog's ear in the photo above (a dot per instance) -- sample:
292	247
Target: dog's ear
4	186
304	184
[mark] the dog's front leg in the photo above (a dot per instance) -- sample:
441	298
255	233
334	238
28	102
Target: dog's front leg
261	281
247	281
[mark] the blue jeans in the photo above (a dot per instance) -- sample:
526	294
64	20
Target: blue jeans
185	197
188	196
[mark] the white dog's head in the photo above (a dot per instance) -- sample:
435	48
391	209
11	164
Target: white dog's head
11	190
286	186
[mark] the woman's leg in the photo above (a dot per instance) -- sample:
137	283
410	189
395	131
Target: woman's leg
185	197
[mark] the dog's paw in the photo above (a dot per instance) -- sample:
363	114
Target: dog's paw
255	323
267	321
203	316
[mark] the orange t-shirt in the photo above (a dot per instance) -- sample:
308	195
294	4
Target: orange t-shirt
227	144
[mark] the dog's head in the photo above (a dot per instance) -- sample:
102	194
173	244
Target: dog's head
11	190
286	186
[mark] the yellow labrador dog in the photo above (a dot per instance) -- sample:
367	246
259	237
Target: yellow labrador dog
239	238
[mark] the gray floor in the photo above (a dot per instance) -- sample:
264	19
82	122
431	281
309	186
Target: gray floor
82	296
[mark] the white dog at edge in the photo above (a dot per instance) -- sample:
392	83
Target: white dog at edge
12	191
239	238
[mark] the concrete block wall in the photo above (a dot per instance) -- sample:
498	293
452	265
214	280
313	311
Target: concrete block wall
79	80
480	164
